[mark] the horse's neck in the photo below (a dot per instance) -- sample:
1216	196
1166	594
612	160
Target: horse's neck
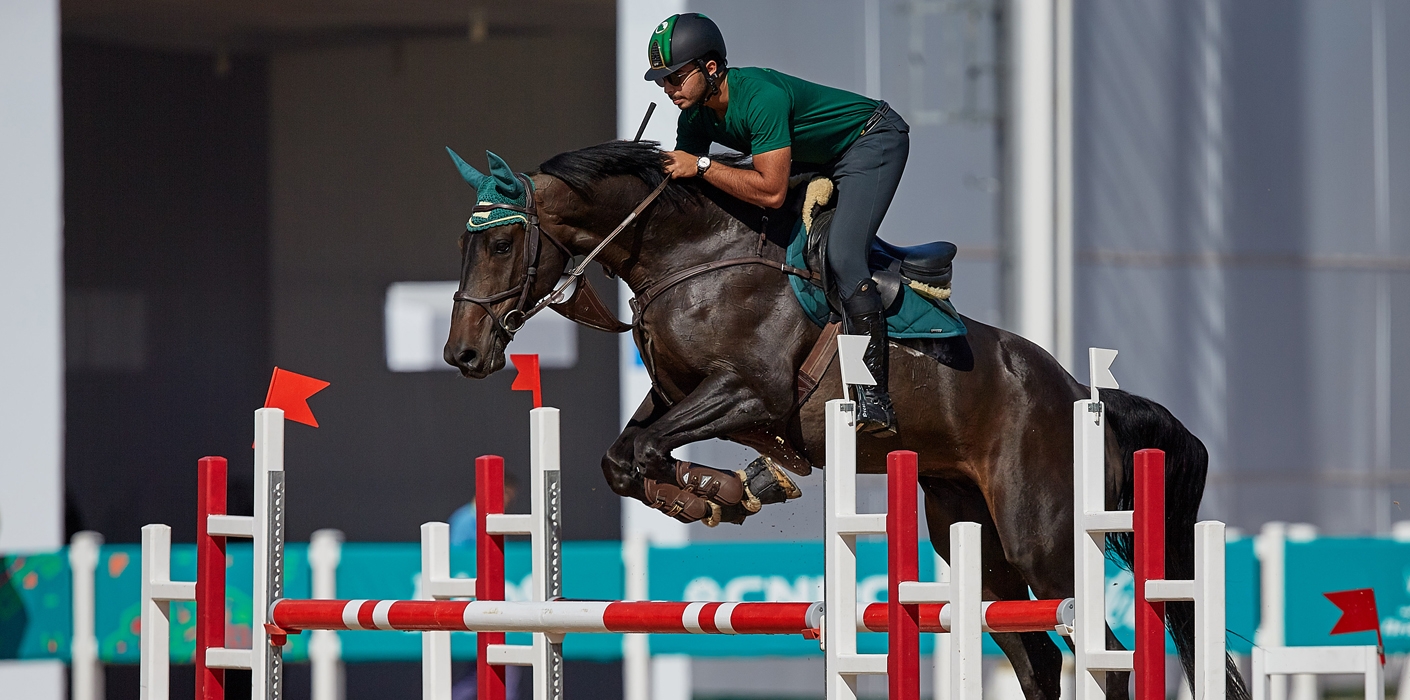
669	241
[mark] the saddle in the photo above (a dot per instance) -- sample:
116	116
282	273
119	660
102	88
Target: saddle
926	268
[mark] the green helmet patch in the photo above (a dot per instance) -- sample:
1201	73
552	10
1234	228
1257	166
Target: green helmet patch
679	40
658	52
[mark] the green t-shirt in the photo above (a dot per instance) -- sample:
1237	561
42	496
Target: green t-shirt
769	110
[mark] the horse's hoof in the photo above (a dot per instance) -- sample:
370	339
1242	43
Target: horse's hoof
765	482
734	514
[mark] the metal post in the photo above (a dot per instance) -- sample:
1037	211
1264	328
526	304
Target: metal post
489	570
546	545
325	650
966	622
158	590
267	661
903	564
1209	611
842	663
87	682
1149	524
436	678
210	576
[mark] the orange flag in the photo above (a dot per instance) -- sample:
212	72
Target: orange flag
1358	613
290	391
528	378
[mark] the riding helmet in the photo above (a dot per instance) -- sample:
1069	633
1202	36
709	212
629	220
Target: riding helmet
681	39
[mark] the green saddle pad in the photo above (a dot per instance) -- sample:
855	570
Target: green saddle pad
916	317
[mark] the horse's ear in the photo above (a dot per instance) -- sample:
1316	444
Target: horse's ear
471	176
503	177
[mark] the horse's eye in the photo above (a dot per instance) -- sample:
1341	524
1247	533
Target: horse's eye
502	246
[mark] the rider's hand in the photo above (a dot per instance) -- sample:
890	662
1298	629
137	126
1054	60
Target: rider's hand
679	164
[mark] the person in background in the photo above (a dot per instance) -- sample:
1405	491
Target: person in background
463	531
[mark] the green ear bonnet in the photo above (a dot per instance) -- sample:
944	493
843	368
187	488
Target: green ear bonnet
501	186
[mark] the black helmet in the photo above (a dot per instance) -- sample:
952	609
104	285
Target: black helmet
681	39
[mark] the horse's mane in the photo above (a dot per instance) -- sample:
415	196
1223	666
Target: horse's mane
582	168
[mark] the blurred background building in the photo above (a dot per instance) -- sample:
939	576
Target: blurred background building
194	192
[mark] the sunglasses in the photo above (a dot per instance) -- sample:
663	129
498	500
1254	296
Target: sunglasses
675	79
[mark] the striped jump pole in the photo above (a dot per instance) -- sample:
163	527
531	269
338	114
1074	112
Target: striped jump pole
645	617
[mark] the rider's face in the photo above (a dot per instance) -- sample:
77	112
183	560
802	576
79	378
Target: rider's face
686	87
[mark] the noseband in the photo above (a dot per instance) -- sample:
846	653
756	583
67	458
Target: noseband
514	319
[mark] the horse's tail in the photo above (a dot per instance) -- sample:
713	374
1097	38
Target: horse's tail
1138	424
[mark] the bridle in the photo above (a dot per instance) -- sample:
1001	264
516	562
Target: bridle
514	319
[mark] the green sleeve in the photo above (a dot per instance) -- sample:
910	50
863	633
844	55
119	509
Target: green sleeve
691	136
768	120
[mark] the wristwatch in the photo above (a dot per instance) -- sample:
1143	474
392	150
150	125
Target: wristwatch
702	165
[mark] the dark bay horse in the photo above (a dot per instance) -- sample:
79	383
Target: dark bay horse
989	413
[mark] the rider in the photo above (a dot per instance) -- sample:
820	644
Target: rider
780	119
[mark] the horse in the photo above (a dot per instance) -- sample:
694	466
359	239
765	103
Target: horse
989	413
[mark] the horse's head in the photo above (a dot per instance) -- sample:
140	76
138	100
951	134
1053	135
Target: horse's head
507	266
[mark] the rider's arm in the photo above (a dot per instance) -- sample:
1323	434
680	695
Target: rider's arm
766	184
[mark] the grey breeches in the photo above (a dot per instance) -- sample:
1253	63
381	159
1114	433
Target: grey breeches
866	177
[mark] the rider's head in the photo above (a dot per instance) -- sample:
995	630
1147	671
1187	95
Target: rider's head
687	56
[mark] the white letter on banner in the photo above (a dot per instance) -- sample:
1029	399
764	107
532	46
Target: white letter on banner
870	588
703	589
802	590
737	588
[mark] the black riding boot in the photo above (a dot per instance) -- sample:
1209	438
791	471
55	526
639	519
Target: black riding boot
864	316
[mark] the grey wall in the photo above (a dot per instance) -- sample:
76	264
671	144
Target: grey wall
1227	242
364	195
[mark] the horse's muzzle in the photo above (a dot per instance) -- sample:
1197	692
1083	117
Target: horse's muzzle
472	363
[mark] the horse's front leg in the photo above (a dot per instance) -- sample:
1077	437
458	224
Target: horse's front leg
619	464
721	405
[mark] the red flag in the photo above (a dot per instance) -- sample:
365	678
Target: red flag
1358	614
528	378
290	391
1358	611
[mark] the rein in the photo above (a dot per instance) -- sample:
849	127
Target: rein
512	321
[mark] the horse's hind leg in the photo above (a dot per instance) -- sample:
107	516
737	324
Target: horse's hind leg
1036	660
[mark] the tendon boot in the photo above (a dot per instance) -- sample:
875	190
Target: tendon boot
722	487
862	315
679	503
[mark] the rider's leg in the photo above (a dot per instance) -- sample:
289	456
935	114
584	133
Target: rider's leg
867	176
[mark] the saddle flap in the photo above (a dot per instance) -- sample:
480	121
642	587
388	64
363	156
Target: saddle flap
586	308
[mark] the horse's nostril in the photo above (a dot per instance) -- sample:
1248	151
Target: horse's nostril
468	357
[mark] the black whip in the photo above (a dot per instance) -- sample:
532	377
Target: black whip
642	129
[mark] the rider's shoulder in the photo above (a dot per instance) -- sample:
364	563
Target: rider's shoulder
751	83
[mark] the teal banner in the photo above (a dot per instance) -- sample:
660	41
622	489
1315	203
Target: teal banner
1338	564
35	594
